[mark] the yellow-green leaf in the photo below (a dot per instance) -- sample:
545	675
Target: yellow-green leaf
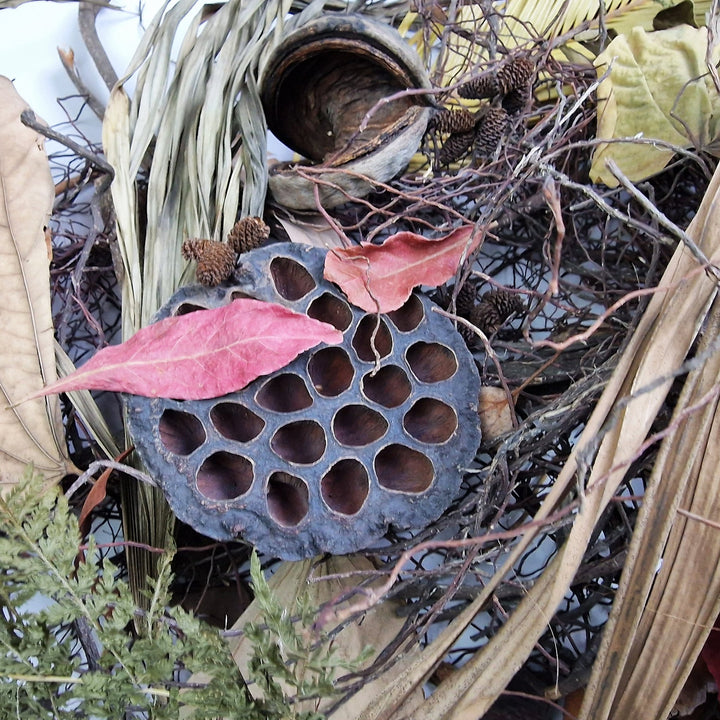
657	86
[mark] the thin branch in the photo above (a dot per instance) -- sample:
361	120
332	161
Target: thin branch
27	117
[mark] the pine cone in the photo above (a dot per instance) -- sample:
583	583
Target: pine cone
455	147
247	234
215	260
491	130
505	302
516	100
486	317
485	86
466	298
515	75
452	121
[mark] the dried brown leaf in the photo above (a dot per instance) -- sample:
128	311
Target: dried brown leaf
31	433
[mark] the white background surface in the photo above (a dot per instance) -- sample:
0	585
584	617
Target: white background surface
30	35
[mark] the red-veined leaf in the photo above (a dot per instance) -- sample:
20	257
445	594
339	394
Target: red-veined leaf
203	354
380	278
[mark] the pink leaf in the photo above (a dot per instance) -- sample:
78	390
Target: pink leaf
204	354
380	278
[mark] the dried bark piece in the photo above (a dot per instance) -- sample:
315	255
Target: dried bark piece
495	412
247	234
452	121
491	130
215	260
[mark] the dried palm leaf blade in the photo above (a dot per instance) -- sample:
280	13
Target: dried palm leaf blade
328	93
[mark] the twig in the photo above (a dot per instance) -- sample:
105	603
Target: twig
87	13
663	220
99	464
67	58
27	117
373	596
552	197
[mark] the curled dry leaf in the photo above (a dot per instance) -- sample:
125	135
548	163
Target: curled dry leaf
380	278
31	433
657	86
204	354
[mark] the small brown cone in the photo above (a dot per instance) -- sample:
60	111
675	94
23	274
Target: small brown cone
485	86
491	130
452	121
505	302
466	299
215	260
454	147
515	75
486	317
247	234
516	100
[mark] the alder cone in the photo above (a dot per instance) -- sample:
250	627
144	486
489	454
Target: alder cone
455	146
466	298
452	121
505	302
485	317
516	100
515	75
485	86
215	260
491	130
247	234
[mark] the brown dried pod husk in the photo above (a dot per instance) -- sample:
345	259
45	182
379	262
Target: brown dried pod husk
448	121
215	260
247	234
485	86
491	130
454	147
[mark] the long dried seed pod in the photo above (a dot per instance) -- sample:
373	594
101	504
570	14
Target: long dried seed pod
448	121
247	234
215	260
485	86
491	130
454	147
